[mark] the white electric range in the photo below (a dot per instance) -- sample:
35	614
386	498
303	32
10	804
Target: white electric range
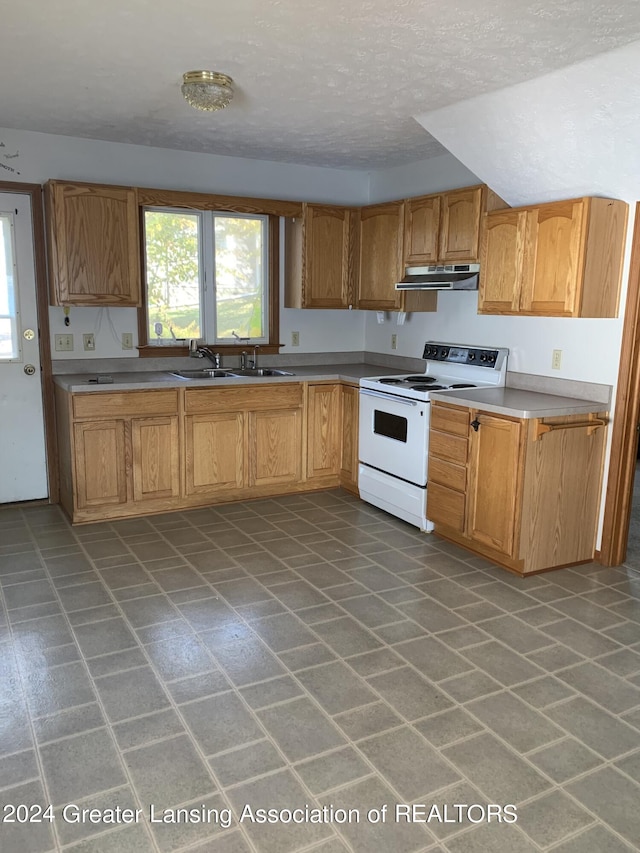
394	424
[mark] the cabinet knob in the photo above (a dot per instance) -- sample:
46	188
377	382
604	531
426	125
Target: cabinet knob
475	424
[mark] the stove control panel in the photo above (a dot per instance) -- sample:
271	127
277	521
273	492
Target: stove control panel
455	354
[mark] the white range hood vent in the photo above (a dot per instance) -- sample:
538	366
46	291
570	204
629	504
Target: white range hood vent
445	277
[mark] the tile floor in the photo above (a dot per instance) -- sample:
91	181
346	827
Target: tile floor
308	650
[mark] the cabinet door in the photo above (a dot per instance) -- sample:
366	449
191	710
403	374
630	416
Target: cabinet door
155	458
323	430
328	268
349	444
93	245
558	235
100	463
275	447
495	475
421	230
381	250
214	453
505	269
460	222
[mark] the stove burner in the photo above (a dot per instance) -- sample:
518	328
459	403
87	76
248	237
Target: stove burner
390	381
463	385
421	378
427	387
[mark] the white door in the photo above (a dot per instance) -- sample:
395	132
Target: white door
23	469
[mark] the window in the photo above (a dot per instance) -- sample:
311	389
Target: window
207	276
9	349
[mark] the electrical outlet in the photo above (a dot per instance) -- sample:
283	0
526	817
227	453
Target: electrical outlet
127	340
64	343
394	342
295	339
556	359
89	342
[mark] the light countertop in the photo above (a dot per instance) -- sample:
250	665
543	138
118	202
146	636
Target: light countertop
131	381
513	402
518	403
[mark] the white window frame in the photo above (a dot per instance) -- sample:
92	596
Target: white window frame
207	272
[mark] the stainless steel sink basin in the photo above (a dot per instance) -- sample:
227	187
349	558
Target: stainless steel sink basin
204	373
262	371
214	373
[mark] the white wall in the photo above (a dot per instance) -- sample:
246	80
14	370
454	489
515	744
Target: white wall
44	156
530	340
444	172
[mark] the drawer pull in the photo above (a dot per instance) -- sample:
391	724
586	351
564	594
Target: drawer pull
591	426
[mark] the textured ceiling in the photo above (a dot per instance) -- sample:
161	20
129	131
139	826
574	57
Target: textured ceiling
328	83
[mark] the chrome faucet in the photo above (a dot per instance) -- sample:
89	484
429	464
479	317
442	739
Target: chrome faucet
254	362
204	352
243	360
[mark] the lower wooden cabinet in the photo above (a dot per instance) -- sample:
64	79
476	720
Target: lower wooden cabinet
275	447
113	463
349	441
332	434
134	452
155	463
524	493
214	453
101	474
324	420
495	481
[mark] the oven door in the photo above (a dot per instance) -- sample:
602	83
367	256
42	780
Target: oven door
394	434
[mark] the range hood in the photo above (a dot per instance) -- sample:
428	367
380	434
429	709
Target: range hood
446	277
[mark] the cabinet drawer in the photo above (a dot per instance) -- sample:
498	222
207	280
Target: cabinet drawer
140	403
450	419
444	506
447	474
286	395
451	448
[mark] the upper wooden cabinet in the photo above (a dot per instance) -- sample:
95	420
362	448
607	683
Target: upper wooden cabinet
94	255
422	230
380	255
447	228
562	259
320	258
381	246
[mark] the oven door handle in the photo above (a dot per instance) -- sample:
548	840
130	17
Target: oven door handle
388	397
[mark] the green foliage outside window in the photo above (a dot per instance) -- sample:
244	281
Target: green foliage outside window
174	298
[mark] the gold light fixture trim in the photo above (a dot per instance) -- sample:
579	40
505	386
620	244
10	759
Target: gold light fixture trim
207	90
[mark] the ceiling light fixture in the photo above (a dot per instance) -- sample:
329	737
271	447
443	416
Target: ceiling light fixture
207	90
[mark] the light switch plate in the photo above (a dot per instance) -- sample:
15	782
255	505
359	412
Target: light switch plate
64	343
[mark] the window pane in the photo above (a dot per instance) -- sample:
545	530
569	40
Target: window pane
240	290
172	254
8	327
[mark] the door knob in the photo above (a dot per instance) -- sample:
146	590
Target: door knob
29	369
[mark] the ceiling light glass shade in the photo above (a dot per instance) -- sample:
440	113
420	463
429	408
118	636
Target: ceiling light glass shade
207	90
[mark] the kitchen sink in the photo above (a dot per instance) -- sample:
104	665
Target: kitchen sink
214	373
204	373
261	371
